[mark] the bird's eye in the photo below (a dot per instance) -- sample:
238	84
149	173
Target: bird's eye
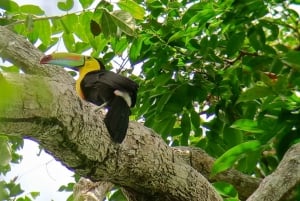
88	57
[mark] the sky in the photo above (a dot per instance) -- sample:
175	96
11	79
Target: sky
40	172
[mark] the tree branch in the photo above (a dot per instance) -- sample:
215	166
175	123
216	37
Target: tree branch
282	180
49	112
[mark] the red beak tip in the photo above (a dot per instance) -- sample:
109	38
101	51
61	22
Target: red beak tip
45	59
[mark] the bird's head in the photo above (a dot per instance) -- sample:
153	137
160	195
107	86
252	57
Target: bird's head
73	61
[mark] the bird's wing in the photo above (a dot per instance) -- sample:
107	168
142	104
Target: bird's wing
104	79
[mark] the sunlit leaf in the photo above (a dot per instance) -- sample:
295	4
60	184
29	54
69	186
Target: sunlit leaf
9	5
44	30
69	41
69	22
86	3
228	159
15	189
255	92
67	188
247	125
124	21
135	49
225	189
5	151
35	194
65	5
119	45
108	25
133	8
32	9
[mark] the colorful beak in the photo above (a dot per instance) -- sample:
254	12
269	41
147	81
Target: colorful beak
70	60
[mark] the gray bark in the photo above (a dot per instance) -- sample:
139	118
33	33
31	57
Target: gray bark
282	180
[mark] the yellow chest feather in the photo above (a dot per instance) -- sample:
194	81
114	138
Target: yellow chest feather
90	65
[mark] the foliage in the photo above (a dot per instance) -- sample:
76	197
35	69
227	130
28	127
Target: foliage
219	75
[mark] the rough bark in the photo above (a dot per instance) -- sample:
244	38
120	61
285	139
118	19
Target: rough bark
50	113
87	190
282	180
44	107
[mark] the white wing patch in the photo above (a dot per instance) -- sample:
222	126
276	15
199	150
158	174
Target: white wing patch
124	95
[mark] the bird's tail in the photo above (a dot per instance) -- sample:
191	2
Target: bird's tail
117	119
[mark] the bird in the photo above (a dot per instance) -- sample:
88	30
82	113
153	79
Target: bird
101	87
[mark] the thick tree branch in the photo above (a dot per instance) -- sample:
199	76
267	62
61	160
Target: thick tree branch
50	112
282	180
85	189
203	163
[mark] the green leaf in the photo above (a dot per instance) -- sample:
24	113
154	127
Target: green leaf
5	151
292	58
9	5
225	189
201	16
68	22
254	93
95	28
124	21
165	126
86	3
34	195
163	100
66	5
69	41
133	8
117	196
32	9
195	119
68	188
228	159
177	35
107	24
247	125
15	189
99	43
119	45
11	69
44	31
185	128
232	136
257	38
235	43
135	49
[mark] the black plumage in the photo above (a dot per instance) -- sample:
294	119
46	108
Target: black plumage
99	87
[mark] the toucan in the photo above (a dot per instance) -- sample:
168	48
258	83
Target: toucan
101	87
